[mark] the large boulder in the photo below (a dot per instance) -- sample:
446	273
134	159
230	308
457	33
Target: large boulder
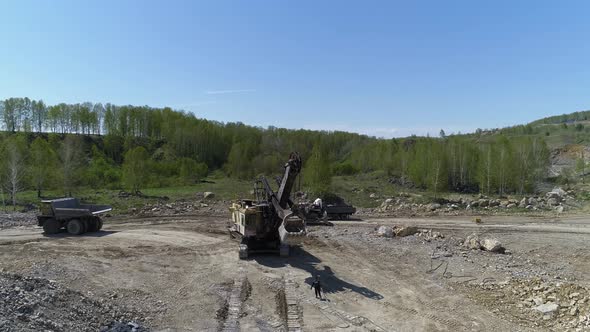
472	242
385	231
492	245
405	230
523	203
208	194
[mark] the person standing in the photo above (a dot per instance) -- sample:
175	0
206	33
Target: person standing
317	286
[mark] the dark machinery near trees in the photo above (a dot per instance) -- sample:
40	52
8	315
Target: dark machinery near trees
269	224
68	213
335	209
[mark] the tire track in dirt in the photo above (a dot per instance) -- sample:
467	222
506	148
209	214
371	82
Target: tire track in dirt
405	280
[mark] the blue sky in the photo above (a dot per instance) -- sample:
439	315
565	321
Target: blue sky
383	68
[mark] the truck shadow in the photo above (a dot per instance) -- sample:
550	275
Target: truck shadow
63	233
330	281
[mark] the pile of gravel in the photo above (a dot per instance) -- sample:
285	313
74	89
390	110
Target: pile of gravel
35	304
13	219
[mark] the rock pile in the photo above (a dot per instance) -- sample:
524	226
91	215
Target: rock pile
35	304
556	200
180	207
402	231
555	304
14	219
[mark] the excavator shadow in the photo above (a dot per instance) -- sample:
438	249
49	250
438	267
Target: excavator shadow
303	260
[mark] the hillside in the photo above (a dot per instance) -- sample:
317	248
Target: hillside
73	147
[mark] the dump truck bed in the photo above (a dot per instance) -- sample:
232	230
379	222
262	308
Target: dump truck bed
65	208
340	211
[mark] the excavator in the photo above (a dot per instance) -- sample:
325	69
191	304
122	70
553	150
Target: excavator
270	223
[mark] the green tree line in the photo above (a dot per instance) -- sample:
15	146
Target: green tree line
68	146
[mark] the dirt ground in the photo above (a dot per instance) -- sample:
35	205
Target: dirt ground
183	274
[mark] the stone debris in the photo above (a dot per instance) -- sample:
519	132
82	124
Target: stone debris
492	245
405	230
16	219
556	305
429	235
124	327
385	231
557	200
547	308
474	242
181	207
37	304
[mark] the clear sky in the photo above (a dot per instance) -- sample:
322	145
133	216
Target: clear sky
385	68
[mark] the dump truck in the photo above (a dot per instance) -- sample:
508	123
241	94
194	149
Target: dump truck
340	211
320	213
68	213
268	223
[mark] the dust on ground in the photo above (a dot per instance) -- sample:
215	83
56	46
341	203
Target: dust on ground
182	273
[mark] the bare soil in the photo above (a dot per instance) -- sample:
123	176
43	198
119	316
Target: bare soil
182	273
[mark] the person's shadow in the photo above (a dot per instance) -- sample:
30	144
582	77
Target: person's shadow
330	282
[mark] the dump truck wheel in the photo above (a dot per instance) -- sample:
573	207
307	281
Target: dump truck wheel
75	227
51	226
99	224
92	225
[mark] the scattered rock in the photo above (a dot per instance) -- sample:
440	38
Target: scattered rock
434	206
547	308
208	195
405	231
36	304
385	231
472	242
492	245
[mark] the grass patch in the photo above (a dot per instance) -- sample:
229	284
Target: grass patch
223	187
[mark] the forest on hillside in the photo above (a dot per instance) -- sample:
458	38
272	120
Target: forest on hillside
93	145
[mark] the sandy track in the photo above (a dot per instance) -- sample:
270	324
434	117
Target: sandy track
182	272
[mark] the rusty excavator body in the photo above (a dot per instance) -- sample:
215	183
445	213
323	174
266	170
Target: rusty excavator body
269	223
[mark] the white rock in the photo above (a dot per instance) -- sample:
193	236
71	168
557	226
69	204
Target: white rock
385	231
547	308
492	245
208	194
